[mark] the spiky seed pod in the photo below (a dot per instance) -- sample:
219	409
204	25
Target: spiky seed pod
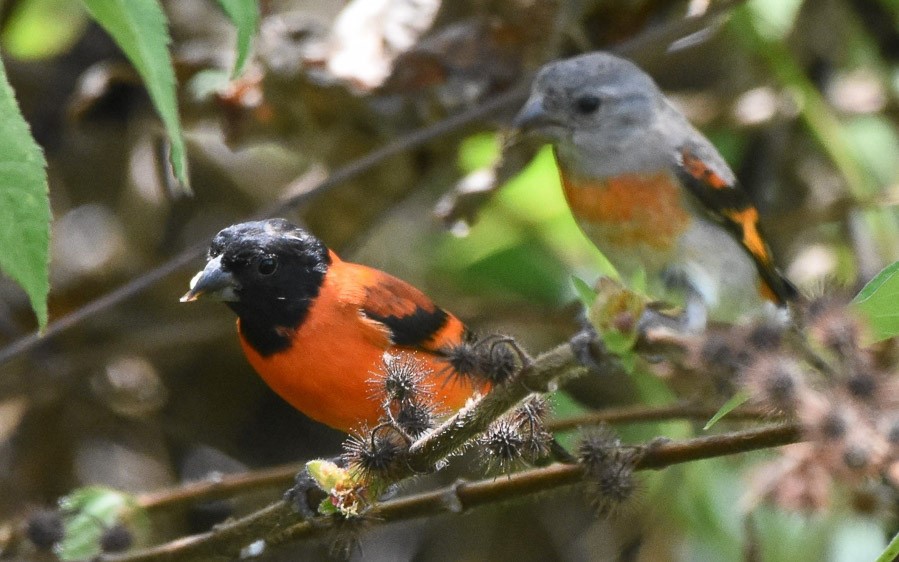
856	457
401	378
415	417
775	380
530	418
45	528
834	425
463	358
376	454
614	486
892	433
597	449
836	328
862	385
498	361
503	443
719	354
766	336
117	538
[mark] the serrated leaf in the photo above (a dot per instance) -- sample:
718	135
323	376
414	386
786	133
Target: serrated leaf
584	291
735	401
244	14
878	302
24	204
140	30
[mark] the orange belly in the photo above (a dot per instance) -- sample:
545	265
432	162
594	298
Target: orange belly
330	373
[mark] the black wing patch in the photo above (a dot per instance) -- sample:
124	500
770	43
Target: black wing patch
730	206
415	329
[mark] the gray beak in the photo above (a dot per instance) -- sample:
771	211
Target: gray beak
213	282
533	115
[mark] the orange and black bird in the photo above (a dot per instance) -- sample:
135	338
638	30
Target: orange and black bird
316	328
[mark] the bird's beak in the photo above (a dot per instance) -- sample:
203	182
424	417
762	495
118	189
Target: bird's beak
533	116
213	282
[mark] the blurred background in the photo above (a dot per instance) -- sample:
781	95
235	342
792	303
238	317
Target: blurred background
799	96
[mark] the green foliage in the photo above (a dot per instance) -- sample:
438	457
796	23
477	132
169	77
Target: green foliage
584	291
139	28
891	552
735	401
43	28
24	204
89	511
878	302
245	16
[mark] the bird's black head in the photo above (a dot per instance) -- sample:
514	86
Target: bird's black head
268	272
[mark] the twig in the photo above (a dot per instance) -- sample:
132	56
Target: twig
643	413
457	498
224	487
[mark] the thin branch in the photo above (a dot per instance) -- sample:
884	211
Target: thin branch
224	487
644	413
542	375
273	523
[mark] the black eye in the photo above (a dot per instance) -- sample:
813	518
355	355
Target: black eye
267	265
586	104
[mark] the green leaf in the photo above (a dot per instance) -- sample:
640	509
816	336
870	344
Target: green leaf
24	204
89	511
878	302
891	551
584	291
139	28
244	14
735	401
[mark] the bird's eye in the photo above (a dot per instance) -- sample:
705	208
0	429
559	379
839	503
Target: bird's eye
587	104
267	265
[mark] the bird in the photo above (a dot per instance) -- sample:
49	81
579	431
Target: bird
316	328
652	192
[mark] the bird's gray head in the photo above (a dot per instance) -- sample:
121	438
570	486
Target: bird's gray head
596	98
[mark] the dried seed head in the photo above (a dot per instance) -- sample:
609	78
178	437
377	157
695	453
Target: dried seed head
862	385
719	354
498	361
775	380
766	336
45	528
117	538
503	443
836	328
834	425
416	418
893	433
597	449
401	378
463	358
856	457
376	454
614	486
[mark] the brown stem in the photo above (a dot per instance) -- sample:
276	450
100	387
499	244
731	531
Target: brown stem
644	413
464	496
225	487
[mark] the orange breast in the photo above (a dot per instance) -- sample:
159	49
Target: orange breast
328	373
630	217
